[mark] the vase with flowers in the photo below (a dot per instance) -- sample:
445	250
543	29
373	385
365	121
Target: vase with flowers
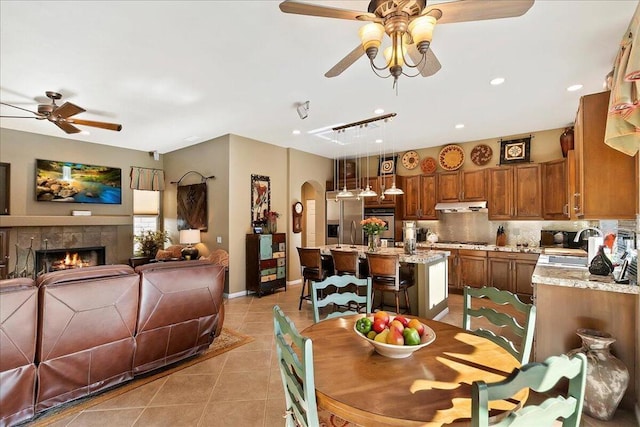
272	221
373	227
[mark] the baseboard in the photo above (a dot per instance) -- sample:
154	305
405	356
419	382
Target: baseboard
235	295
294	282
442	314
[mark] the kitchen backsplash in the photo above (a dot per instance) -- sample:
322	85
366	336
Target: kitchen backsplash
475	226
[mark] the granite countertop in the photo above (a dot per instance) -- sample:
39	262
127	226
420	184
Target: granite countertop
579	278
420	257
527	250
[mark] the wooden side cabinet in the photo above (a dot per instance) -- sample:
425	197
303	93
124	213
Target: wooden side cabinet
266	256
512	271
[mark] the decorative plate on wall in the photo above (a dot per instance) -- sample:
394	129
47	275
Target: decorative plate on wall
481	154
428	165
451	157
410	160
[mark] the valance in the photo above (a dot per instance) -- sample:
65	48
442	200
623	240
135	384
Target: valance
623	121
147	179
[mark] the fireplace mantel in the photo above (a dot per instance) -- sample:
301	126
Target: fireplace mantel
53	221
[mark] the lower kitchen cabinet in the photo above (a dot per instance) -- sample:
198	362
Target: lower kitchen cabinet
266	268
512	271
467	267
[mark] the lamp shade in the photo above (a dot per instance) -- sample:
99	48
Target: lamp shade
190	236
421	29
371	35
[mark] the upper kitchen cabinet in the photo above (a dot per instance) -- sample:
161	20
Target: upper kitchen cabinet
419	197
462	186
379	184
515	192
606	179
555	189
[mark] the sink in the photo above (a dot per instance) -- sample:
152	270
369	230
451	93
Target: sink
562	261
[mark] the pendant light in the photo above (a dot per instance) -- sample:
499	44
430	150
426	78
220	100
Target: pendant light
367	192
393	191
344	193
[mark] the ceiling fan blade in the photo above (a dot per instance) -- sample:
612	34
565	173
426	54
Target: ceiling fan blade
67	127
21	117
20	108
430	66
345	62
102	125
67	110
289	6
478	10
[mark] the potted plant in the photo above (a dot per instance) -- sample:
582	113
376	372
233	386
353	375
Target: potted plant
151	241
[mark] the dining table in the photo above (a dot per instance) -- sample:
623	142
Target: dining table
431	387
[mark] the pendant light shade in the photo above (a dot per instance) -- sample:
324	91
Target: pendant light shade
393	190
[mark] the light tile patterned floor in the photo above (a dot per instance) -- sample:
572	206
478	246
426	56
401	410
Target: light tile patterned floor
239	388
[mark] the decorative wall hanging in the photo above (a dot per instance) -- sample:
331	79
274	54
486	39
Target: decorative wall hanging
387	165
260	199
481	154
410	160
451	157
428	165
515	151
192	203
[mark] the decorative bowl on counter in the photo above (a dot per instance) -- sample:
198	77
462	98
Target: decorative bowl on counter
399	351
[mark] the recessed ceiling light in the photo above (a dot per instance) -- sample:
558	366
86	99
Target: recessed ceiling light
573	88
378	111
459	126
378	141
497	81
296	132
191	138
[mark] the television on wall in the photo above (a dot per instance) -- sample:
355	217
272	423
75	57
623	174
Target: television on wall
68	182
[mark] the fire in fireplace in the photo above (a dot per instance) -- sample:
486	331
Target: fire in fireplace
68	258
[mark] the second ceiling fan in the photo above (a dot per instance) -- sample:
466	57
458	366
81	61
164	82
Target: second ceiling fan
409	24
61	115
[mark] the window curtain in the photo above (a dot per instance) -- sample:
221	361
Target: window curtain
623	121
147	179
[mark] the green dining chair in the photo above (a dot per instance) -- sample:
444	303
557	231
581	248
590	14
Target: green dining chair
540	377
296	372
343	299
501	319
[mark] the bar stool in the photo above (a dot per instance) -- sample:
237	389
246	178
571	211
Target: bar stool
387	277
312	270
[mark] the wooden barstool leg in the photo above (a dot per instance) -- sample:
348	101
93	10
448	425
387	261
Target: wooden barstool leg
406	299
304	284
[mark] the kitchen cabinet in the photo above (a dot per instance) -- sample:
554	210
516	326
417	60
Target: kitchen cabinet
467	267
266	256
379	184
555	189
419	197
462	186
515	192
606	179
512	271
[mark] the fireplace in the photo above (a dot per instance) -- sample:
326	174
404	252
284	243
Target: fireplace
68	258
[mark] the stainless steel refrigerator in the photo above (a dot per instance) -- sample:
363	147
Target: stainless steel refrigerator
343	220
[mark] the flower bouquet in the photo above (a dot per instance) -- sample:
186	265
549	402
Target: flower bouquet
372	226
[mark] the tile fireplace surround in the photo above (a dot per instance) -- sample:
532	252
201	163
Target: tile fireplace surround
66	237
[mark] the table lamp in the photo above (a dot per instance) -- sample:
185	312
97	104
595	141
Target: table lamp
190	237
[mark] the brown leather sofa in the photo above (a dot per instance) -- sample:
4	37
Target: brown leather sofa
18	315
95	327
180	311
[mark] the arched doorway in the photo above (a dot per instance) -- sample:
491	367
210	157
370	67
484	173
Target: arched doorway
313	221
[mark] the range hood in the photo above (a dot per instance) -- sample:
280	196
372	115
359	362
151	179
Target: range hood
462	207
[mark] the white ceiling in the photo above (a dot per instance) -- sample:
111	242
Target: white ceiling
170	71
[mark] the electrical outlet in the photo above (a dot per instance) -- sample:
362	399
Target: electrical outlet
219	239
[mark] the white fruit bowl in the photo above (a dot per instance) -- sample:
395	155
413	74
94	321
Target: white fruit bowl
399	351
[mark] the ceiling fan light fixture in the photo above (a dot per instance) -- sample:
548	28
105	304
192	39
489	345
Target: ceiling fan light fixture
371	37
421	30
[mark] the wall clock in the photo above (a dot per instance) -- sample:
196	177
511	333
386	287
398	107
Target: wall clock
297	217
410	160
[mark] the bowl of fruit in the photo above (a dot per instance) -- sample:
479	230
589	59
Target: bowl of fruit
394	336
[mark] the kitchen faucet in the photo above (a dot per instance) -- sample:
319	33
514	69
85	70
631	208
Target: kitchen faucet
597	230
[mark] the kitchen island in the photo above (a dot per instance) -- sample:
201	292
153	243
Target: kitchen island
430	292
572	298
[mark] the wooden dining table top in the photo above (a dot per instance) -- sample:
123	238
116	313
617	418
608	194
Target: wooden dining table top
432	387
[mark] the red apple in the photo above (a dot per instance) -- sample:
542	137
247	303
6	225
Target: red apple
402	320
381	315
417	325
379	325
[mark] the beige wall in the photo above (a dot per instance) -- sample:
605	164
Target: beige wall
21	149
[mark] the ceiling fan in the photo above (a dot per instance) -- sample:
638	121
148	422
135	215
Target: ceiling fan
409	24
60	115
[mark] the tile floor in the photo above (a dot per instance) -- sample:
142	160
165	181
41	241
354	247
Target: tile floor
239	388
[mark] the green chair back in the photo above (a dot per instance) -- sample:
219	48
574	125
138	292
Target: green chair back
296	372
540	377
362	296
522	351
